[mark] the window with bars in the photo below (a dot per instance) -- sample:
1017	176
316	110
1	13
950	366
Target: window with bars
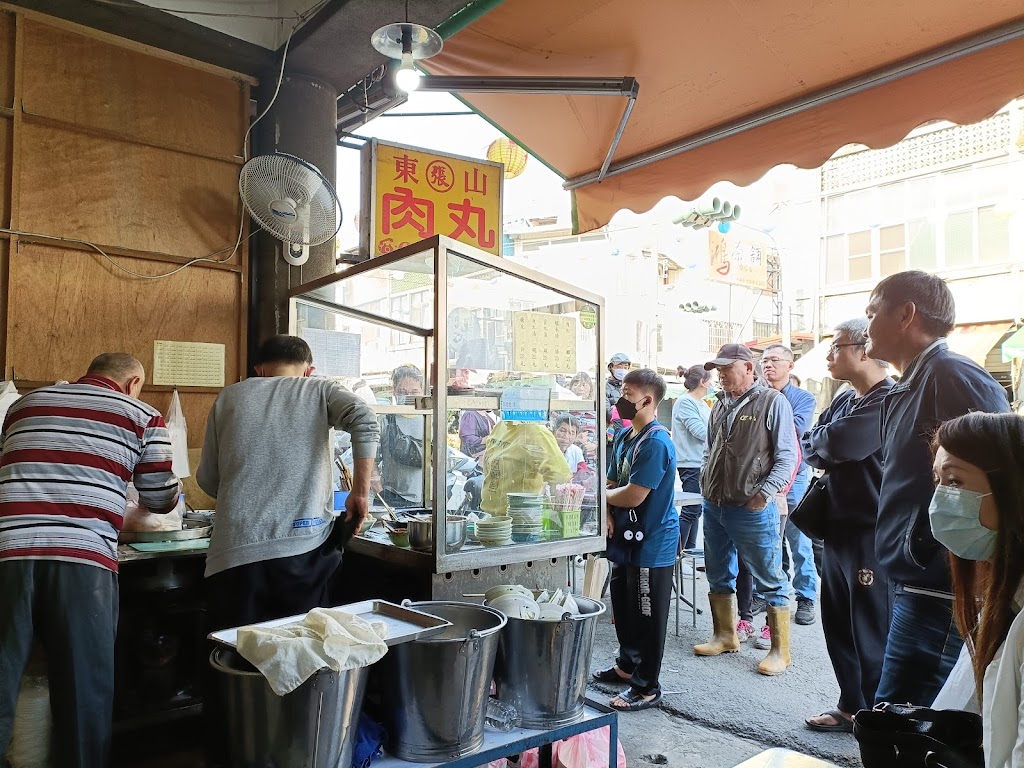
721	332
946	220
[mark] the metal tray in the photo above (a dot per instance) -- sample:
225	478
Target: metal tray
190	529
404	624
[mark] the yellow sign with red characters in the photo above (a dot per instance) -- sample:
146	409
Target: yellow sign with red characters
411	194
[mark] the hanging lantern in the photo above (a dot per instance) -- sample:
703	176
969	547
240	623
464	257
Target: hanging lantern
506	151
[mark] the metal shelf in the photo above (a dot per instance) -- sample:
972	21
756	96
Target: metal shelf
498	745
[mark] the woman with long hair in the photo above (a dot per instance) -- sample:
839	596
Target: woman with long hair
690	416
977	513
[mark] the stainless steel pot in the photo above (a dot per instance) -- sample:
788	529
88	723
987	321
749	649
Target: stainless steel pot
314	726
542	667
421	533
438	687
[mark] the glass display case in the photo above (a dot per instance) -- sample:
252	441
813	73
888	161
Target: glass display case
487	380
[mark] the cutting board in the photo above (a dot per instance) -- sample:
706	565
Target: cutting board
171	546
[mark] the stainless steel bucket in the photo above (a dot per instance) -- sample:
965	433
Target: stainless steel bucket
437	688
314	726
543	666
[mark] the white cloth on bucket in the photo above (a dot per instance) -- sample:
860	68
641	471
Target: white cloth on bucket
292	653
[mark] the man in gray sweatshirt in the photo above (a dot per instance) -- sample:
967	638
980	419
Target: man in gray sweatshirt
267	461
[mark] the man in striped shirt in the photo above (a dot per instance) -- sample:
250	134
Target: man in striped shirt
68	454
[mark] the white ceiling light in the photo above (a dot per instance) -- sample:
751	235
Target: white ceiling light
408	43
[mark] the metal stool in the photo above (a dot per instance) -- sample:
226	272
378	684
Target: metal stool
693	555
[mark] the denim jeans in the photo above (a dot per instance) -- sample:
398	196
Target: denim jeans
689	516
730	531
805	575
922	647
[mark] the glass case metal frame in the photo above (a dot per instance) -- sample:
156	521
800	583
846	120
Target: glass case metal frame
437	402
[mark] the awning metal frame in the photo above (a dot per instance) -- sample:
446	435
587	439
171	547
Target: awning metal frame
543	86
927	60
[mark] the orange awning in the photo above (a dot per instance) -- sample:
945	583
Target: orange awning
707	64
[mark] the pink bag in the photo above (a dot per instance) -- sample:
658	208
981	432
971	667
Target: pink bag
586	750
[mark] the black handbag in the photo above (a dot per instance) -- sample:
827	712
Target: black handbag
902	736
811	514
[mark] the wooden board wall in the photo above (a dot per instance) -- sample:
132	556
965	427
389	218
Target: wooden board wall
138	152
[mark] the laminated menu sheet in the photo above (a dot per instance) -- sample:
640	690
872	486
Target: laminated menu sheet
543	343
188	364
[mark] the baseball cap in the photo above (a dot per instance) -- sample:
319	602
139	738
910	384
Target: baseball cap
729	354
619	357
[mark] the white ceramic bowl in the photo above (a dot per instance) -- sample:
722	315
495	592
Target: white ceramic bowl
516	606
507	589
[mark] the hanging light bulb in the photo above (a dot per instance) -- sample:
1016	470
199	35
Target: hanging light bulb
407	77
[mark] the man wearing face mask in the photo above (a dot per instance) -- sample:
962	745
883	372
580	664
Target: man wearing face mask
267	461
618	367
643	531
750	457
69	452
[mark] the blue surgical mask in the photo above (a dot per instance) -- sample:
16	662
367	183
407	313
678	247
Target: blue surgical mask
954	515
619	373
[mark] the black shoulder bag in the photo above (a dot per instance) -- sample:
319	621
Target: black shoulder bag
902	736
811	514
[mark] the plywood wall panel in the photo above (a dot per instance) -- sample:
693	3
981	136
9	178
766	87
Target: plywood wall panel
93	83
6	59
68	306
6	148
125	195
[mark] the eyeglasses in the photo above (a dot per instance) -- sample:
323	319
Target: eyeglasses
775	360
834	348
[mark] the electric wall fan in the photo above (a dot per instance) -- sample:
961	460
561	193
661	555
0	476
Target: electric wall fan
291	200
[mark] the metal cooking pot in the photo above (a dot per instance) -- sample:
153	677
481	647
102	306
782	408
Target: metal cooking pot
421	533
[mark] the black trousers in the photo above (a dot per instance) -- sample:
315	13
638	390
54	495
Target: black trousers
270	589
855	609
745	591
640	602
72	610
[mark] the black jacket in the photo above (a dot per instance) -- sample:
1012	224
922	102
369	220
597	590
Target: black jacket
847	443
938	386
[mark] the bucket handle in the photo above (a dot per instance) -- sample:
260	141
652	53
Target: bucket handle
470	647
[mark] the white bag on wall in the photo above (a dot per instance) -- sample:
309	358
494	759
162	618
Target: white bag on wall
179	437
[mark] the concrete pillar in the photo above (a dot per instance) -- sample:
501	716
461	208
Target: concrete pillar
303	123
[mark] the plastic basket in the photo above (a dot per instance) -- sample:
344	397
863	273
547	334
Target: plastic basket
570	523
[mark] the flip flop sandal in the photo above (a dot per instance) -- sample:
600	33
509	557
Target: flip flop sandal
609	676
842	725
635	701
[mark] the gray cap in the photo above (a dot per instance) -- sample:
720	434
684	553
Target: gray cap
619	357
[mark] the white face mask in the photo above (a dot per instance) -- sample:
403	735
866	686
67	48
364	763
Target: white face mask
954	516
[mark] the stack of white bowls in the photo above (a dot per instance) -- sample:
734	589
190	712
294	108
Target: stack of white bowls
494	531
527	513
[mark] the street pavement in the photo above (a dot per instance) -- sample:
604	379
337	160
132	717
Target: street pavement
719	711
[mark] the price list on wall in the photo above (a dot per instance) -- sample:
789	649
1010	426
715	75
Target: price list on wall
543	343
188	364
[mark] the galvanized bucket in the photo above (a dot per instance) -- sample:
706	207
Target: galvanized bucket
543	666
314	726
437	688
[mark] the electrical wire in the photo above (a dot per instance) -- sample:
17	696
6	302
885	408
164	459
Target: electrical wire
216	14
245	155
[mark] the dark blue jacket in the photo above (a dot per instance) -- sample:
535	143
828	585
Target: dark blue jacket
938	386
847	443
804	404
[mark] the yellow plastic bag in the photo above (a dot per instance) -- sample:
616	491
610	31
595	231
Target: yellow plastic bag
519	458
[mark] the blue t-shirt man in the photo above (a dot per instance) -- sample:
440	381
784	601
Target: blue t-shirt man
647	459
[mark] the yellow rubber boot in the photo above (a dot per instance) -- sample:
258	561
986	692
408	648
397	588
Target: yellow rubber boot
724	639
778	658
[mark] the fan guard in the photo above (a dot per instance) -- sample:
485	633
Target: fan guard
290	199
